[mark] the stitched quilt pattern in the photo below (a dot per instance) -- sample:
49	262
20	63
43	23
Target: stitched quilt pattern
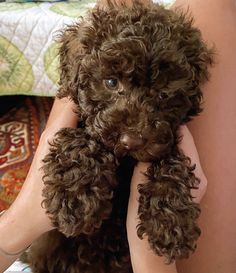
28	51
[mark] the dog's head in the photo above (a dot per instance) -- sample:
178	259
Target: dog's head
135	74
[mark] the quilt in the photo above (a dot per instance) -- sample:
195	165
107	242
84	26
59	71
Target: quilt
28	51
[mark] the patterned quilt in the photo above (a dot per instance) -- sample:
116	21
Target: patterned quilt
28	52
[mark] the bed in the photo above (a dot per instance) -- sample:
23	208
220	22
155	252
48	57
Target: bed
28	51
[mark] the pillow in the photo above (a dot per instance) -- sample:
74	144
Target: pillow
20	130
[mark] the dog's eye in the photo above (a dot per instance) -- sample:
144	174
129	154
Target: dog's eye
111	83
163	95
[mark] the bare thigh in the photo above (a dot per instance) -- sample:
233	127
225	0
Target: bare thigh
215	136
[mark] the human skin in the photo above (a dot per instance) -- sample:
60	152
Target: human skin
214	132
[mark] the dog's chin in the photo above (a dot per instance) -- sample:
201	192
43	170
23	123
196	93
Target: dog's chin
149	153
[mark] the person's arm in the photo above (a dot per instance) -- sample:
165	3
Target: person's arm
143	259
26	220
215	132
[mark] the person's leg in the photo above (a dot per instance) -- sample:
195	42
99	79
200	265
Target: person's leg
215	136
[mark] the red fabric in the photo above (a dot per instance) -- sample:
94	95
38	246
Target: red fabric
20	130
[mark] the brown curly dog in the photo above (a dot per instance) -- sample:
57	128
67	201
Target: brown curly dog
134	74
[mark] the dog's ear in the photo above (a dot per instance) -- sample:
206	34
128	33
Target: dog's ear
199	56
76	42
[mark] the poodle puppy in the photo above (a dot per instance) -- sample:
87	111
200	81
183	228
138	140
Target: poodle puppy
135	75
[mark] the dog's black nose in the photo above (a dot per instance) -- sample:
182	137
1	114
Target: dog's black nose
131	141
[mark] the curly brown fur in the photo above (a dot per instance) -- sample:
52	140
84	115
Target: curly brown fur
167	212
79	182
157	62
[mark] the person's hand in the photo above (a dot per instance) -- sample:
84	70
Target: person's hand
143	259
25	220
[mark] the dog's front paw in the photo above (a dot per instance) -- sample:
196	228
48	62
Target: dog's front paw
79	181
167	212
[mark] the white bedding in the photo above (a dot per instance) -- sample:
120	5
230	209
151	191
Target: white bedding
28	53
18	267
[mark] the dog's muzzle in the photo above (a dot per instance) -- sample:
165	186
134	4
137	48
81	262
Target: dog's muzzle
131	141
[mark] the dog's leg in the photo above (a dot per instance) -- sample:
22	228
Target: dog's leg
167	210
79	181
